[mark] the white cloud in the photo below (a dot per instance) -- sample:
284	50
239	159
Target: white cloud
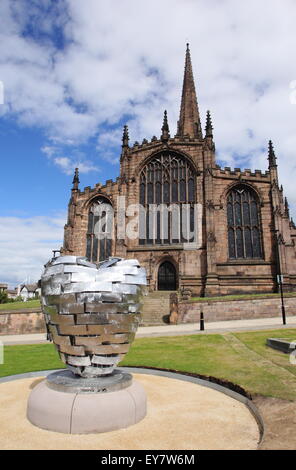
124	61
48	150
26	244
68	164
108	145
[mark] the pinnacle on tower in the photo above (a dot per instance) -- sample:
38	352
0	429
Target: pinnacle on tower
271	155
209	126
287	211
76	181
189	120
125	137
165	128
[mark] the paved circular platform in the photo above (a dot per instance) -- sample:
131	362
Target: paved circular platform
180	415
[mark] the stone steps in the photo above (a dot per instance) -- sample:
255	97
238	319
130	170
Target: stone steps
156	305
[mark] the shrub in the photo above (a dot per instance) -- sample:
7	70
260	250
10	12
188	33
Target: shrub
3	297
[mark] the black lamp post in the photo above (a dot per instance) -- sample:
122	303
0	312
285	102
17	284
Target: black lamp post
279	276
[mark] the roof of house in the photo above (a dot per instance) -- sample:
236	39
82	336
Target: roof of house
12	291
30	287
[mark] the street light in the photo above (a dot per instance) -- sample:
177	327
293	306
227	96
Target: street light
279	275
280	283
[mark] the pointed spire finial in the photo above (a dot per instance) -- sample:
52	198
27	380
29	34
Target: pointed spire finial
271	155
189	120
125	136
287	211
76	181
165	128
209	126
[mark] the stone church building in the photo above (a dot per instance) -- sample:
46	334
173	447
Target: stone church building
246	236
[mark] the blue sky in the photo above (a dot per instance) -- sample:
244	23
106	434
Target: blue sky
36	185
75	71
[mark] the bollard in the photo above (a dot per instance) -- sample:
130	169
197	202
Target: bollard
202	321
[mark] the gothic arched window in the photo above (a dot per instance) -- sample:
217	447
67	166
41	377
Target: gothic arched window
99	231
243	218
167	197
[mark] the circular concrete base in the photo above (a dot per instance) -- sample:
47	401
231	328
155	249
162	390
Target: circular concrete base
83	413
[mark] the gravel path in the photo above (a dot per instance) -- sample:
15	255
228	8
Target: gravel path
181	415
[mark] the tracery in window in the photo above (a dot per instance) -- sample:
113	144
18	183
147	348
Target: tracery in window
99	231
167	180
243	218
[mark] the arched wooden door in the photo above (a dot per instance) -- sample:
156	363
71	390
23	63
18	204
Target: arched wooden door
167	276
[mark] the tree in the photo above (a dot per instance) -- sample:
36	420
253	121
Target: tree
3	297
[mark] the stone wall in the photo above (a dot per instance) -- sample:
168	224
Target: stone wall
29	321
219	310
21	322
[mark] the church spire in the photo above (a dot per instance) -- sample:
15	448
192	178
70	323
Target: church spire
189	121
165	128
76	181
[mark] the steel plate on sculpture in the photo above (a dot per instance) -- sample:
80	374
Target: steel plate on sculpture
92	312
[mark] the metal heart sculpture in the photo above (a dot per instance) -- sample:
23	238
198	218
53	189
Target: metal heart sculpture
92	312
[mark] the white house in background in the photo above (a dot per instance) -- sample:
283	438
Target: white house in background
12	293
29	291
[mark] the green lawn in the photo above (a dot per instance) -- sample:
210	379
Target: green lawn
20	305
210	355
257	342
29	358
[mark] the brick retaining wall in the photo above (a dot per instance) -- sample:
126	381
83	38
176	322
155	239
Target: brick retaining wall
215	310
19	322
28	321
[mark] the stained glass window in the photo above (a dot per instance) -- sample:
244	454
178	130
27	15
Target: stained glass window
231	243
142	193
191	190
243	218
167	179
99	231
